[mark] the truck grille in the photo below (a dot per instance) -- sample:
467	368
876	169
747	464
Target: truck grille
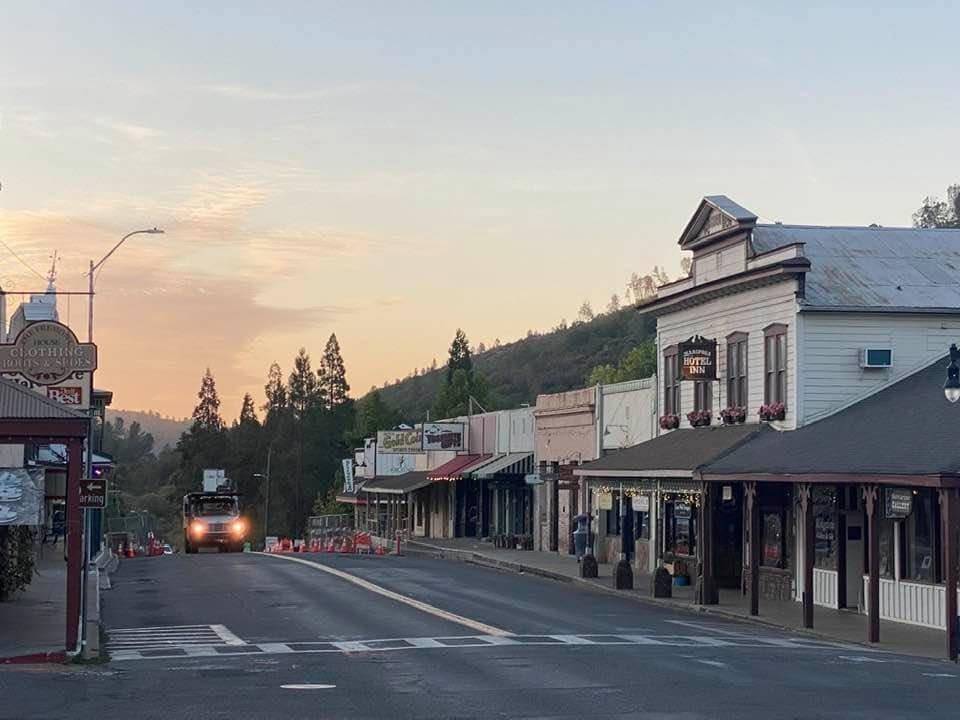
218	527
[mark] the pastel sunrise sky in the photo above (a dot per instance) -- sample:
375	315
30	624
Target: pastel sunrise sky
391	171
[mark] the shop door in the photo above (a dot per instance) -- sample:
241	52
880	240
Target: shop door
728	535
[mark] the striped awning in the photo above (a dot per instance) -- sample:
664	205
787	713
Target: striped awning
454	469
509	464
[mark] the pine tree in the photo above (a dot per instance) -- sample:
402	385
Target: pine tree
460	356
248	413
206	415
303	388
275	390
333	375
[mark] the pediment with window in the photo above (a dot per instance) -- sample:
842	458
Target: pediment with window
716	217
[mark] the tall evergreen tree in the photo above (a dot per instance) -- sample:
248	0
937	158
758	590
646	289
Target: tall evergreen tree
275	390
333	375
460	357
461	382
206	415
248	413
303	388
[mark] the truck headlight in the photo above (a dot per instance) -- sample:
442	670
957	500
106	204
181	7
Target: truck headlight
198	528
238	527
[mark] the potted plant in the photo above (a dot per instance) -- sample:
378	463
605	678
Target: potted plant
733	414
699	418
669	422
681	572
773	411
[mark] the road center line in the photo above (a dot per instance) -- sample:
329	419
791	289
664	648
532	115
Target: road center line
371	587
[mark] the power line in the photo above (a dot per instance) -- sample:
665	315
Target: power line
22	261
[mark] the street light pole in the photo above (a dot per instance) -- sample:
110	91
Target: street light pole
95	267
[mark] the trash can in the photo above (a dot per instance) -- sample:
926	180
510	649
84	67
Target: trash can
581	536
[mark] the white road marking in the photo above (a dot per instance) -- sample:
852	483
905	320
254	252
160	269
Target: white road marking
125	640
307	686
379	645
419	605
938	675
860	659
228	637
714	663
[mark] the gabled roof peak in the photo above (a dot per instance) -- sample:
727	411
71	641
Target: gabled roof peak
717	216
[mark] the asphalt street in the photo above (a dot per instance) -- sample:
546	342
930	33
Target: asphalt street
255	636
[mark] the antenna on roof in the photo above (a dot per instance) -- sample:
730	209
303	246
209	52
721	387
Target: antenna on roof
52	275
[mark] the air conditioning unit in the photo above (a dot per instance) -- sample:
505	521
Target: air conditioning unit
876	358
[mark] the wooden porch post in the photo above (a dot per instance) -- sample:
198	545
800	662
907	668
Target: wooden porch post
708	593
74	542
805	497
948	514
753	523
871	495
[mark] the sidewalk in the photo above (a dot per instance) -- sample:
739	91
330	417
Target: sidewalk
33	623
847	626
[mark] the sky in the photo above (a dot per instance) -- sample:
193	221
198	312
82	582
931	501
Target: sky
391	171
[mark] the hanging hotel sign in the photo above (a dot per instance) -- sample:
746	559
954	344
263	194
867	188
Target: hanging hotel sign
443	436
698	359
347	465
399	442
898	502
605	501
47	353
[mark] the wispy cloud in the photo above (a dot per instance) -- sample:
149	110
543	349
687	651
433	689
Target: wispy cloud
131	131
249	92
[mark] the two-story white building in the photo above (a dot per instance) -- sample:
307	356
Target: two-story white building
778	327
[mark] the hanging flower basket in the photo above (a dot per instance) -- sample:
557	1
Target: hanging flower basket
733	414
669	422
699	418
774	411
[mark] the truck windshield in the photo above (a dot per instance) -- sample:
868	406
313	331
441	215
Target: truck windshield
216	506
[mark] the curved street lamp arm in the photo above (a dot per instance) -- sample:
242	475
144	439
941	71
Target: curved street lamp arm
151	231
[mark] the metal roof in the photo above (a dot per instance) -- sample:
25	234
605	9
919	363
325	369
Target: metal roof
908	428
726	205
876	268
681	450
20	403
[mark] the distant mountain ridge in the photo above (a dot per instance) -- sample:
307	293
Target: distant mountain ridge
540	363
165	430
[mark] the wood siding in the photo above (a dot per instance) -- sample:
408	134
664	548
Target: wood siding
830	355
750	312
720	263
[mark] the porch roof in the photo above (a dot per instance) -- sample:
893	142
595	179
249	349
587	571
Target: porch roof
903	434
675	454
397	484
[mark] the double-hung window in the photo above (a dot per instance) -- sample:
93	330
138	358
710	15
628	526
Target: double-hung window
737	370
775	364
671	381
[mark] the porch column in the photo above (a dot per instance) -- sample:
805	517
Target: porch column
948	514
871	493
708	593
753	524
74	542
805	499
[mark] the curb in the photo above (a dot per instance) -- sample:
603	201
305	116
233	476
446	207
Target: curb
54	656
485	561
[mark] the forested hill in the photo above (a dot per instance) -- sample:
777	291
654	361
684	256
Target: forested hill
165	430
541	363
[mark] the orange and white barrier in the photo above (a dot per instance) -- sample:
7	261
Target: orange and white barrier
362	542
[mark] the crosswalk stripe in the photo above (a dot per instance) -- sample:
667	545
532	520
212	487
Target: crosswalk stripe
175	638
222	649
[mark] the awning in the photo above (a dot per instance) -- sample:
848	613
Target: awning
351	499
454	469
509	464
397	484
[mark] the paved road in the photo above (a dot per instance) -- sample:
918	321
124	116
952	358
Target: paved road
219	636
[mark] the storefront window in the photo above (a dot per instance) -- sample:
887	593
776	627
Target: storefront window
773	540
613	516
825	522
921	548
680	528
641	525
885	537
